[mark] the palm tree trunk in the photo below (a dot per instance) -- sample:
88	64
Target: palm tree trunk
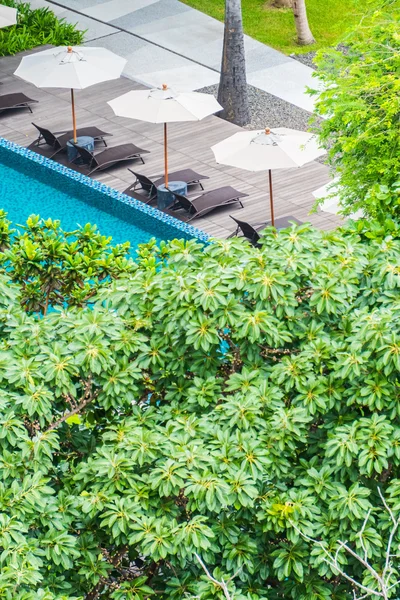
232	92
304	35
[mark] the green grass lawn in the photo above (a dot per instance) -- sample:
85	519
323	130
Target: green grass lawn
329	20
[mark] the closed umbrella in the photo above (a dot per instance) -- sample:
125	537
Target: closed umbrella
264	150
70	67
164	105
8	16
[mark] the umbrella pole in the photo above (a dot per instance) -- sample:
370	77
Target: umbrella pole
73	114
271	198
165	156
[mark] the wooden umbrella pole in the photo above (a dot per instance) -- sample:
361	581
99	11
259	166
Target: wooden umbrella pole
73	114
271	198
165	156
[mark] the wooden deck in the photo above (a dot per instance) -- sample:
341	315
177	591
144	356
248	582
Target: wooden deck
189	147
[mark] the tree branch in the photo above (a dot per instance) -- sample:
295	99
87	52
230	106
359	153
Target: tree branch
87	397
115	561
383	580
332	562
361	560
221	584
391	536
361	535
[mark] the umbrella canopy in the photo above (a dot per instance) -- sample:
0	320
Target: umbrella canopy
75	67
164	105
8	16
264	150
280	148
332	202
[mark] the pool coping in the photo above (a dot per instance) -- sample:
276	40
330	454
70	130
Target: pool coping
180	226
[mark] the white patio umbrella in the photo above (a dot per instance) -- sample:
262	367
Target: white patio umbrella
75	67
332	202
164	105
264	150
8	16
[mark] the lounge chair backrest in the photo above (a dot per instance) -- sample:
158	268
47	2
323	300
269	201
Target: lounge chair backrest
87	157
49	137
5	101
248	230
183	201
146	183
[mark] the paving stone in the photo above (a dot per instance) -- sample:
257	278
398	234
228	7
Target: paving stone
287	81
185	78
94	29
121	43
115	9
148	58
264	57
80	4
153	12
189	18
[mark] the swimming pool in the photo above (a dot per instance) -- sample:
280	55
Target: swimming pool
32	184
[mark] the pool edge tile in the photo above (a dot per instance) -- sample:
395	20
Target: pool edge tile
168	220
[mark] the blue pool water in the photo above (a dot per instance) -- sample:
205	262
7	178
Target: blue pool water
28	188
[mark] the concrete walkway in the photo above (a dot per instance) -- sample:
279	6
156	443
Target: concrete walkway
166	41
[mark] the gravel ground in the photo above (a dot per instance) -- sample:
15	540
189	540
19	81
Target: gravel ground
307	59
269	111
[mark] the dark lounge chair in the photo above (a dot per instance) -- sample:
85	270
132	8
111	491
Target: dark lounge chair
111	156
207	202
139	195
18	100
58	142
150	185
250	232
143	188
188	176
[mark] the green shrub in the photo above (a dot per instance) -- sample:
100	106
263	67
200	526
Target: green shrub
56	268
215	401
361	106
36	27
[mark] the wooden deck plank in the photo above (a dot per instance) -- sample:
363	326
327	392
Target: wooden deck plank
189	147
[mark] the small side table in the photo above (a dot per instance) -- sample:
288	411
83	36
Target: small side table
85	142
165	197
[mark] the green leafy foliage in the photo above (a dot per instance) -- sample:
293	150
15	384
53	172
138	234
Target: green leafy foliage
360	105
58	268
36	27
213	400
